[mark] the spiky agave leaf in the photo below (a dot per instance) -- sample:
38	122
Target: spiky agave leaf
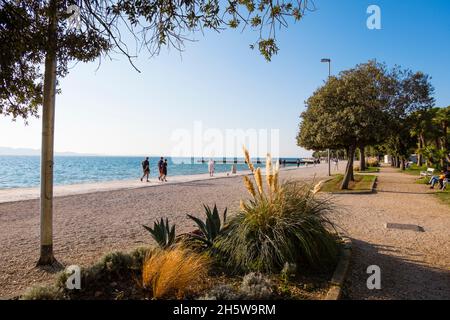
162	233
211	227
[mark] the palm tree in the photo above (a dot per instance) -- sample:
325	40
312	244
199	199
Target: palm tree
441	121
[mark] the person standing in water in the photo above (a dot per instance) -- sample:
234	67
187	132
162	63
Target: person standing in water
160	168
164	171
145	169
211	167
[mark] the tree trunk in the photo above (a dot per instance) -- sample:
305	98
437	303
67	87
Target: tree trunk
402	164
444	145
419	153
397	162
48	120
362	159
349	169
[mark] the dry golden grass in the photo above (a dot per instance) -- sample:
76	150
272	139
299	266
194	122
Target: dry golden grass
247	159
249	186
174	272
258	180
272	178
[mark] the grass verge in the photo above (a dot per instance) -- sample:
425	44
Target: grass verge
370	170
362	184
414	170
444	196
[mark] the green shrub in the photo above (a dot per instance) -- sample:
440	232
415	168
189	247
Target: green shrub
112	267
373	162
162	233
286	226
43	293
255	286
211	228
222	292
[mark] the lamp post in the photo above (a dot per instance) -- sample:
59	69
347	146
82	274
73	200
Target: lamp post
326	60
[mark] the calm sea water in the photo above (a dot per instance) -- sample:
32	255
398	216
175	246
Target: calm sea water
24	171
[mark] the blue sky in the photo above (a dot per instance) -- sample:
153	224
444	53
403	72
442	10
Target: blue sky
219	81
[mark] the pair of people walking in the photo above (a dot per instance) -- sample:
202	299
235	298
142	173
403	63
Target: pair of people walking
162	167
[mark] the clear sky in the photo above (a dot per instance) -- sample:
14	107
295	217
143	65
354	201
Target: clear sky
225	85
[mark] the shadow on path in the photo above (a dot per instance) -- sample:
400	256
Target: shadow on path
401	277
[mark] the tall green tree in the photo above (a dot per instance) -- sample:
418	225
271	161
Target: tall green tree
441	121
348	112
413	95
36	34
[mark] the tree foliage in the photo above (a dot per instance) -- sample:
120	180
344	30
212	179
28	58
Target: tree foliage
106	27
371	105
348	111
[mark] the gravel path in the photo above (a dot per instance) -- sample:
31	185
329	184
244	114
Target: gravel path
414	265
87	226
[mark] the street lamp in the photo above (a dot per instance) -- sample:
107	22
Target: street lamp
326	60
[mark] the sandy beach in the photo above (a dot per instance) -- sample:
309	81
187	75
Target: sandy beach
90	224
93	219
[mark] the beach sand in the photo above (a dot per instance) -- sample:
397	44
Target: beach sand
93	219
414	265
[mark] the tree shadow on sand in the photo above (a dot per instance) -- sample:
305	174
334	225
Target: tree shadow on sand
53	268
404	275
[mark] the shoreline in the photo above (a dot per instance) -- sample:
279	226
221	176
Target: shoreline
33	193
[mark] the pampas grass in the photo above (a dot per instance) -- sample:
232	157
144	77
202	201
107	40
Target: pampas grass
287	224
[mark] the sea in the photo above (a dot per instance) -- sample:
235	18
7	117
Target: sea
24	171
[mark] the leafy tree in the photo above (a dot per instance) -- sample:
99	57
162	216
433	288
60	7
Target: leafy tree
422	128
413	95
442	120
349	111
38	33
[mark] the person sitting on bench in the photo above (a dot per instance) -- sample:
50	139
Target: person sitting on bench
444	182
437	179
442	177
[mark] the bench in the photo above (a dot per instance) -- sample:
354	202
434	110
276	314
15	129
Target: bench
427	173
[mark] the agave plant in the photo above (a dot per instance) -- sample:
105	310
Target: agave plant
211	228
162	233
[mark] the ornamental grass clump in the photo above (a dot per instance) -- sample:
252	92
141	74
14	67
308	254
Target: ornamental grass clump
174	272
280	223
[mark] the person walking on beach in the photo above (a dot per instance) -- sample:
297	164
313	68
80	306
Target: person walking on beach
298	163
164	171
336	164
211	167
145	169
160	168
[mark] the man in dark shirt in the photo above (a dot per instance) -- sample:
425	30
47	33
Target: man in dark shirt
145	169
160	167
